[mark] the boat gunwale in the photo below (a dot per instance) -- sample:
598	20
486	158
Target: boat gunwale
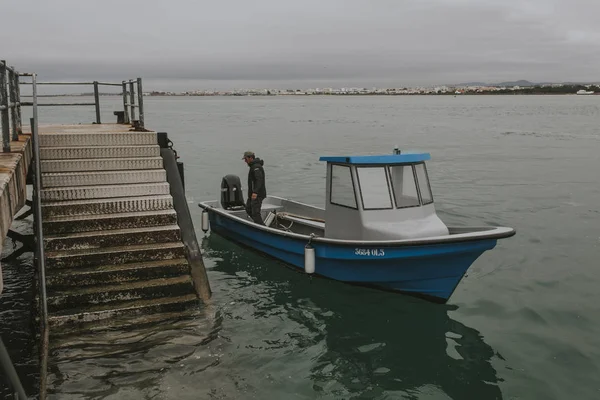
478	233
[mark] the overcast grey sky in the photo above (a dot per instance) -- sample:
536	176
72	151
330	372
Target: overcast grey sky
249	42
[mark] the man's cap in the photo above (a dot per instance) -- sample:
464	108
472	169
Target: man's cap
248	154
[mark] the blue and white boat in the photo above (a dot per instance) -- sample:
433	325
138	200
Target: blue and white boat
379	228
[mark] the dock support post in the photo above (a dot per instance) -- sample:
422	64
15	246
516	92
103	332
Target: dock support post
4	121
13	104
97	101
184	219
18	93
140	102
132	101
125	102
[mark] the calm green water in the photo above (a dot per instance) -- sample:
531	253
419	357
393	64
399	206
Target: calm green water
524	323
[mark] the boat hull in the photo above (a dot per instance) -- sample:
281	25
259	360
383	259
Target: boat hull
433	270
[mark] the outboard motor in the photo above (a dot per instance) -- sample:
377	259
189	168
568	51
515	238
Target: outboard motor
232	197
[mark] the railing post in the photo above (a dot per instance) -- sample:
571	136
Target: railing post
140	101
4	109
132	101
13	103
18	93
39	249
125	103
10	372
97	101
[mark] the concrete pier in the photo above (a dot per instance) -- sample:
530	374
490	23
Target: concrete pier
112	241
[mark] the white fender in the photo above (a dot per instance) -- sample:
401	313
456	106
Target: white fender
205	224
309	259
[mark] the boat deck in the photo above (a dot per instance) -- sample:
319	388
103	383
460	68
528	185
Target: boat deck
285	220
301	220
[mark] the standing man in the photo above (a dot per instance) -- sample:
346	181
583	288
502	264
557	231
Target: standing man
257	190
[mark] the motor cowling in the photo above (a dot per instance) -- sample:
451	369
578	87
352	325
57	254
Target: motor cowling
231	192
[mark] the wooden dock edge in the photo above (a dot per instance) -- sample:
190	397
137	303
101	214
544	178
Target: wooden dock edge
14	167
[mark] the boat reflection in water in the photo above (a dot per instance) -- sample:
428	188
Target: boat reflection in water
346	341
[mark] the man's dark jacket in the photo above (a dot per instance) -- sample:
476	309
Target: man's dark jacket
256	179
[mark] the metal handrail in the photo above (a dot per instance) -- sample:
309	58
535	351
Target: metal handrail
29	103
74	83
11	373
39	244
7	80
132	89
10	102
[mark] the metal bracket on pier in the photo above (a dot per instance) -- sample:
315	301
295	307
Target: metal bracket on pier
165	143
138	127
120	116
27	241
27	213
174	171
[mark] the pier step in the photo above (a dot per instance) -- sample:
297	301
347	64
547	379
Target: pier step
69	153
101	164
80	317
56	225
77	139
89	178
104	191
114	255
106	294
97	207
112	238
112	274
113	335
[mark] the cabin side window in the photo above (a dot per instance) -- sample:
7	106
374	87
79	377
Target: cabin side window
374	188
404	186
424	188
342	187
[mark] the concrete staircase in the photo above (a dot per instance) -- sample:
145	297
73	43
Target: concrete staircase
114	255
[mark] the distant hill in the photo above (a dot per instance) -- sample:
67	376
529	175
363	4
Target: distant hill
521	82
516	83
471	84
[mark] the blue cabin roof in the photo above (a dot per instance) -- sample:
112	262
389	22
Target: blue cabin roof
385	159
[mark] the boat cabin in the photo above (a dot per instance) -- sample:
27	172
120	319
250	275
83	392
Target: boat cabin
380	197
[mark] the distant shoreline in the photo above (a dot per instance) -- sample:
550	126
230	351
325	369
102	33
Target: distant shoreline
549	89
332	95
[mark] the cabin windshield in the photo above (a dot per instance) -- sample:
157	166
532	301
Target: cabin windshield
374	188
410	185
404	186
424	187
342	187
380	187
